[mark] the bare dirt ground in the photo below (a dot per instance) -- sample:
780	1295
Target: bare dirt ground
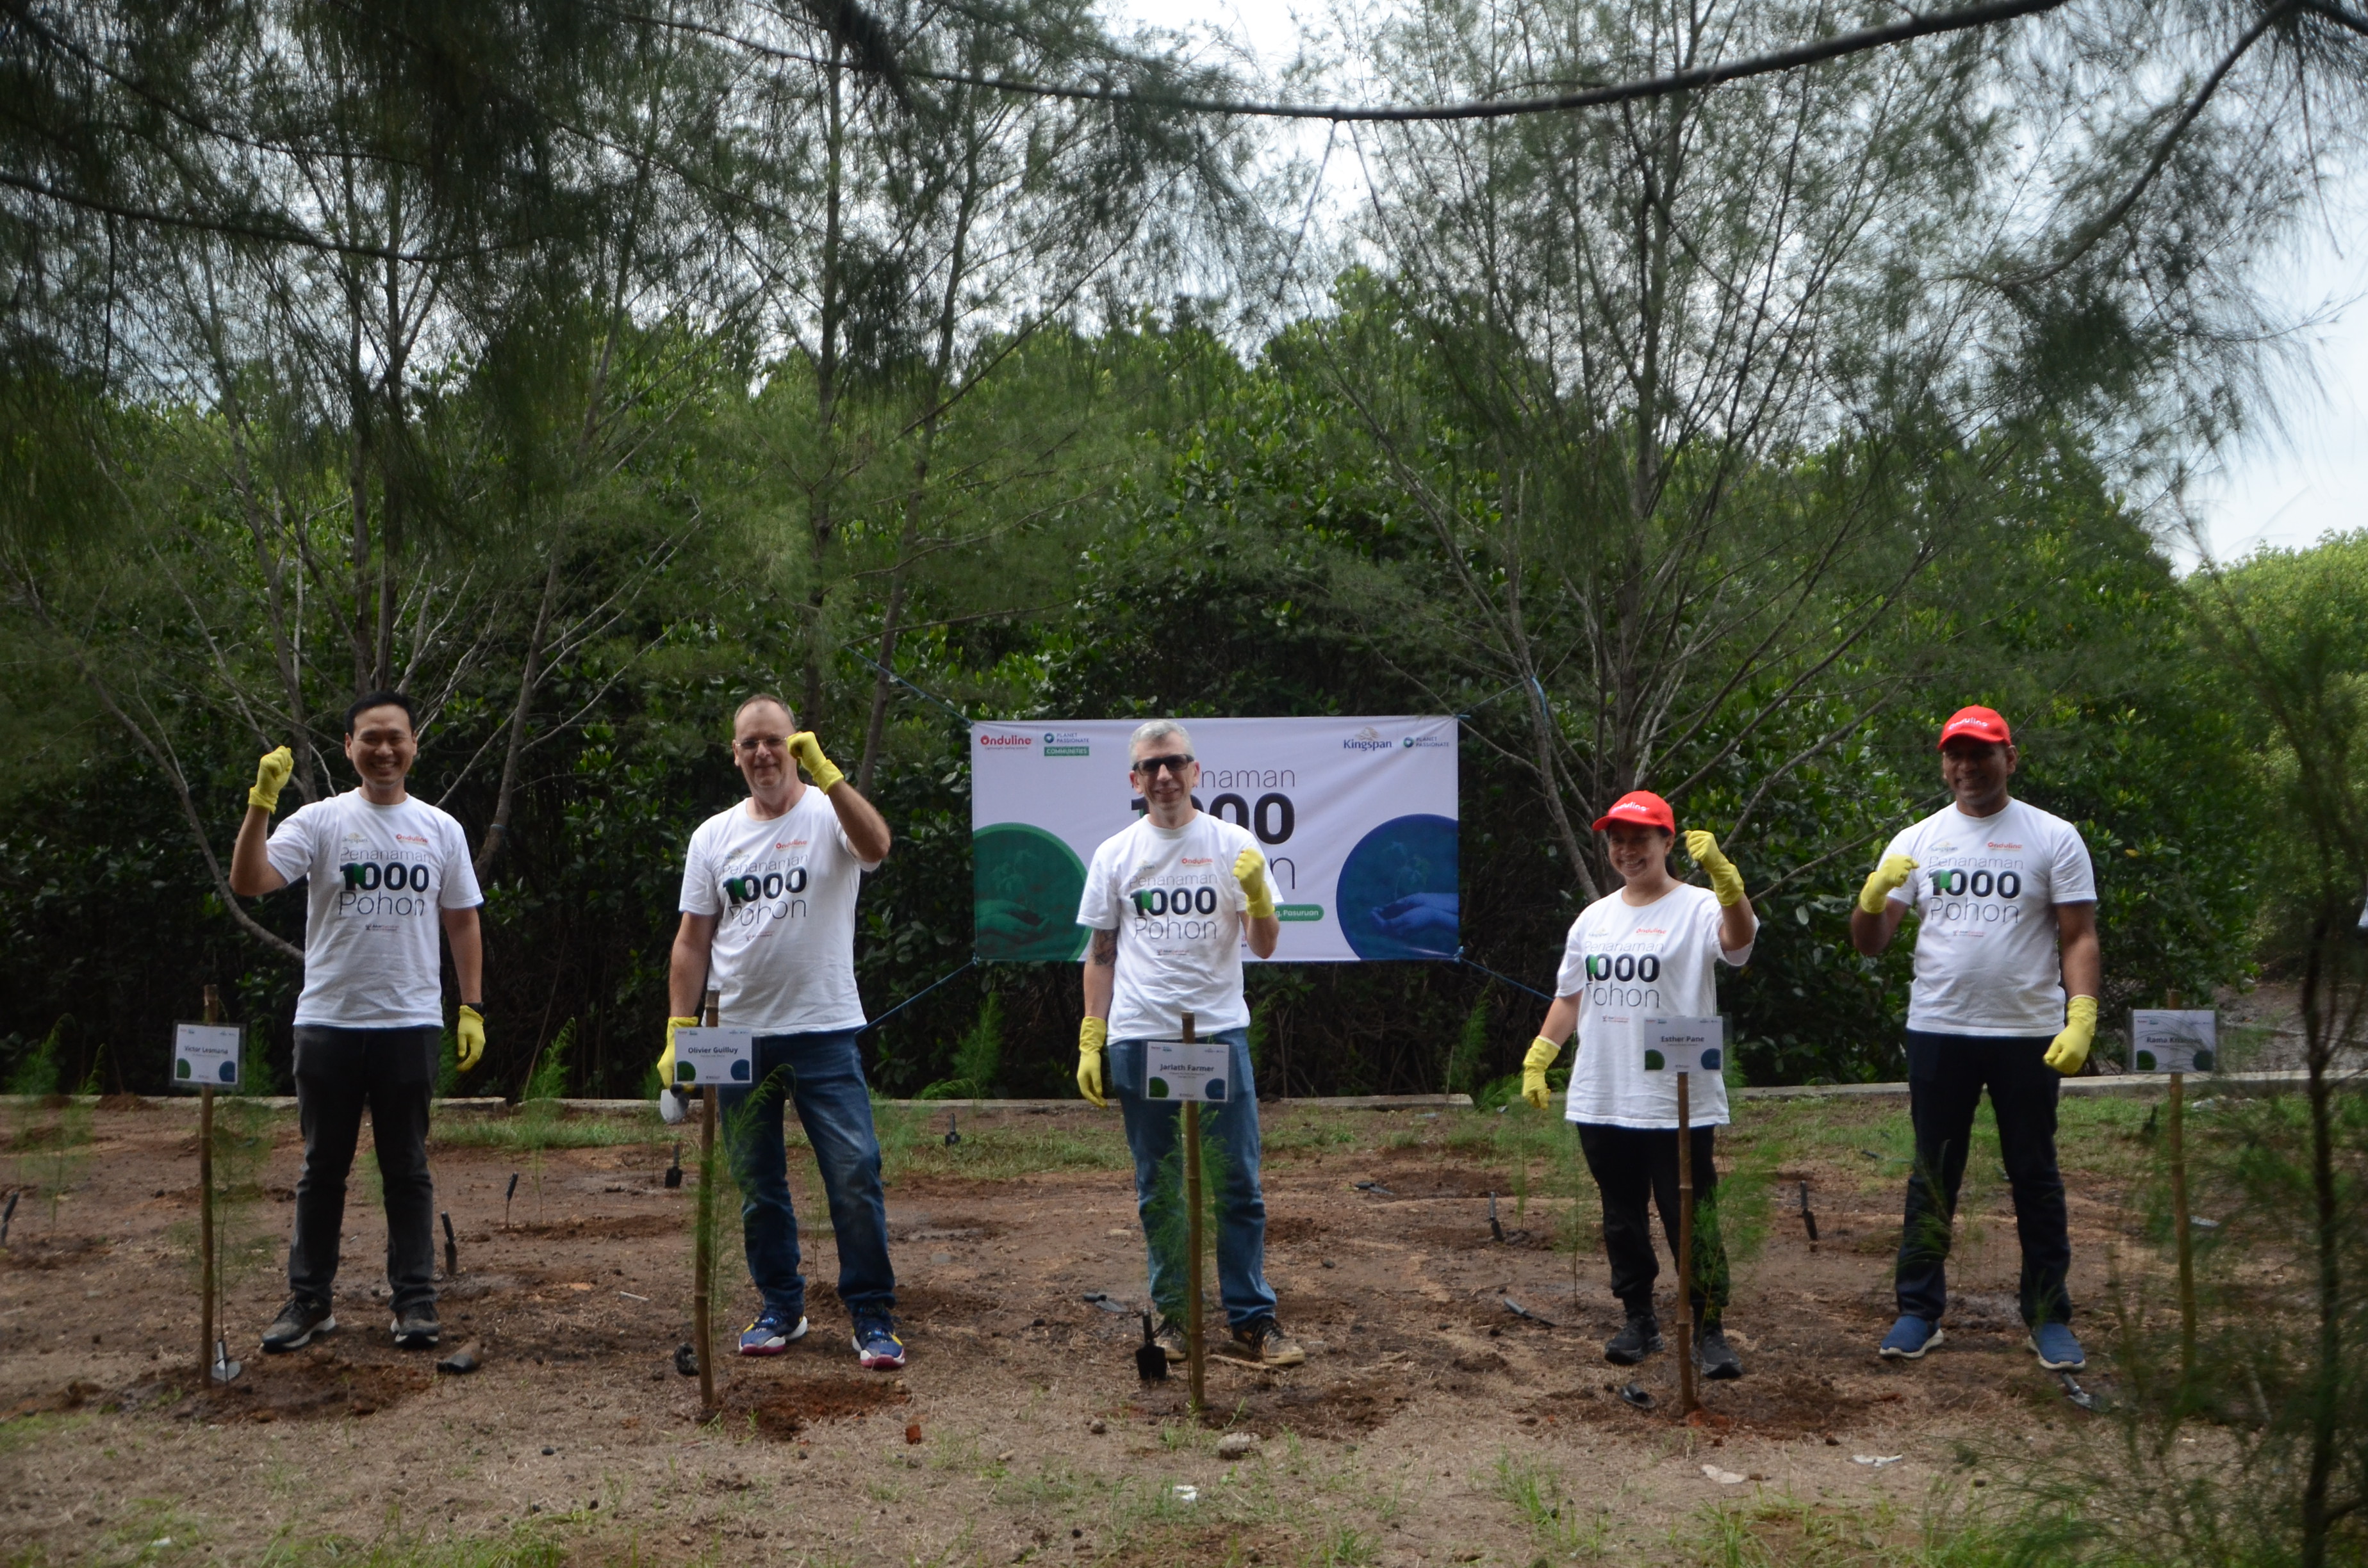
1430	1425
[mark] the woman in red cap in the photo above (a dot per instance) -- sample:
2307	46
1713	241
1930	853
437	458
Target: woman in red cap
1647	951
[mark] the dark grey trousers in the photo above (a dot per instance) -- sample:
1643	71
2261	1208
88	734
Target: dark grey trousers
339	1073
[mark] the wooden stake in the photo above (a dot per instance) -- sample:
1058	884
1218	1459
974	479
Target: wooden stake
206	1203
703	1240
1198	1359
1685	1250
2180	1220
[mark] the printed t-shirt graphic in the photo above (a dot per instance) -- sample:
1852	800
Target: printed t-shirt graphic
1624	964
378	874
1985	892
782	893
1170	894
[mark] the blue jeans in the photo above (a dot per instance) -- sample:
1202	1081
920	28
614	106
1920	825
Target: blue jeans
823	1075
1229	1142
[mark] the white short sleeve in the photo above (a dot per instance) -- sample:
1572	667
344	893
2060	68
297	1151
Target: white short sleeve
698	895
460	889
1099	907
292	844
2071	878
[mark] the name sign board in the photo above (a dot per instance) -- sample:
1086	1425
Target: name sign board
2162	1041
1175	1071
206	1054
1682	1045
720	1057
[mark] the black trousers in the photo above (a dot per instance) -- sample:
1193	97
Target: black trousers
1631	1164
339	1073
1946	1074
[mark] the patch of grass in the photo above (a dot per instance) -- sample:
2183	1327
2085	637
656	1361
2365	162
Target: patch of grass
24	1431
1779	1530
1560	1524
519	1547
564	1130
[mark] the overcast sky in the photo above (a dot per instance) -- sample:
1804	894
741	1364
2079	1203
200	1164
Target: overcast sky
2303	474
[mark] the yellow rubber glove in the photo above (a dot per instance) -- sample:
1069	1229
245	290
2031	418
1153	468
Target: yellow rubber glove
1724	880
2071	1047
1894	870
1542	1056
468	1039
1250	870
820	769
665	1058
1092	1035
271	776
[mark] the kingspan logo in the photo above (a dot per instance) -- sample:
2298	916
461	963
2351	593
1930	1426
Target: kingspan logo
1367	739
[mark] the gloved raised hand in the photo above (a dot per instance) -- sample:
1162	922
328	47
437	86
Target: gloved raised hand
1250	870
468	1039
1542	1056
1724	880
2079	1033
1092	1035
1893	870
820	769
271	776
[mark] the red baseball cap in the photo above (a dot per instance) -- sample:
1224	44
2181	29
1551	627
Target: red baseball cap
1981	724
1642	807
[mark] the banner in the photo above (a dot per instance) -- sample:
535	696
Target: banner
1356	816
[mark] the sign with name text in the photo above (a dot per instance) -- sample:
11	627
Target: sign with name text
206	1054
724	1058
2163	1040
1175	1071
1682	1045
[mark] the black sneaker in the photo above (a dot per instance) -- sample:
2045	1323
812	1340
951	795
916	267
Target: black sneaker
1639	1338
415	1328
298	1323
1714	1355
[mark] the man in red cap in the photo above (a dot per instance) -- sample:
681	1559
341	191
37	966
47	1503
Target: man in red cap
2005	998
1648	949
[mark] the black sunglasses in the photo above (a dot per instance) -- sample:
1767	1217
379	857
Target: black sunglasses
1149	767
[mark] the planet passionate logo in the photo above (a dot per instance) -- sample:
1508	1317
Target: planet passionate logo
1065	743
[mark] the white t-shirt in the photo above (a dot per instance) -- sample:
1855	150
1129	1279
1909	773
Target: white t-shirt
782	889
1170	894
1623	963
1984	890
378	874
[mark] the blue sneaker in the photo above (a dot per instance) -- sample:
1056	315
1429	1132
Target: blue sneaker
1909	1338
876	1344
770	1334
2058	1351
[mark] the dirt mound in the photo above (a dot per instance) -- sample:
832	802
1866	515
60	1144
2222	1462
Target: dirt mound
310	1385
781	1408
54	1252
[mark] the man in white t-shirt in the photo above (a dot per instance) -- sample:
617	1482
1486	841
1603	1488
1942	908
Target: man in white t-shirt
769	891
1648	950
383	872
2007	926
1170	901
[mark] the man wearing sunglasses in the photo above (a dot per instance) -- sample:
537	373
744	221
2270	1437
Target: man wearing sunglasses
768	916
1170	901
